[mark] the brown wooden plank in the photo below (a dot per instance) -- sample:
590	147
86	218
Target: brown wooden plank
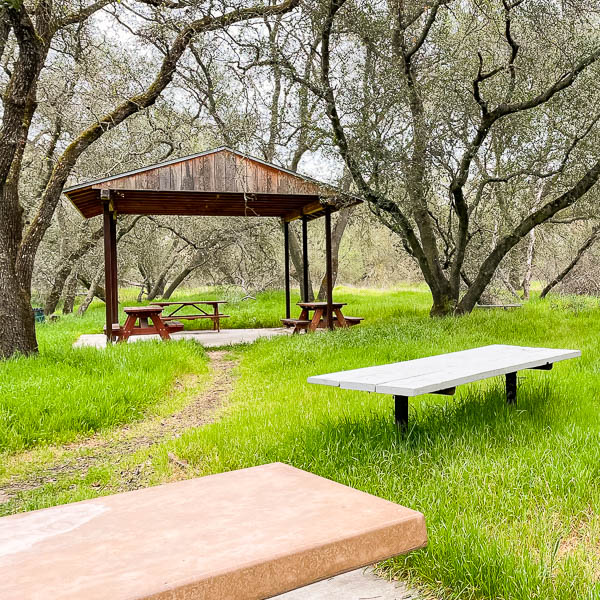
153	179
164	176
187	182
176	176
197	174
209	172
219	182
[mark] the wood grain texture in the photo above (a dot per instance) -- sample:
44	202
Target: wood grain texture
220	183
433	373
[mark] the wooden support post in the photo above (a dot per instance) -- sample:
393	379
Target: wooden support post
329	267
401	411
114	266
108	257
286	247
304	259
511	388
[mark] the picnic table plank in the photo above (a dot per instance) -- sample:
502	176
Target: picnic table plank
216	316
441	374
424	375
320	318
245	534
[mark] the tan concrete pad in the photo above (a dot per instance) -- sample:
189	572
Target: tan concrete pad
205	337
245	534
361	584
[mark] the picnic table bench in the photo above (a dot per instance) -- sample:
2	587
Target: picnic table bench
176	307
247	534
319	319
442	373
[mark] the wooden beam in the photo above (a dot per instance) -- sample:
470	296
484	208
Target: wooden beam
114	266
309	209
328	267
304	259
108	256
286	252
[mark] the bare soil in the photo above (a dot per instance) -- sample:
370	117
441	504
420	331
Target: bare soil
76	459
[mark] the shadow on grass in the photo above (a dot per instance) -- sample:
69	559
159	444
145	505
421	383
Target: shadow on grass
478	419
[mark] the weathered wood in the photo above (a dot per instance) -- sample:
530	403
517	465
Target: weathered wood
223	171
286	267
108	265
442	373
431	374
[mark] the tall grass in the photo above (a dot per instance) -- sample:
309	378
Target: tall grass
511	495
65	392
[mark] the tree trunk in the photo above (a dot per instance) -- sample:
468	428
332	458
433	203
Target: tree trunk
92	291
58	285
16	315
178	281
336	238
586	246
69	297
99	291
296	256
529	265
67	264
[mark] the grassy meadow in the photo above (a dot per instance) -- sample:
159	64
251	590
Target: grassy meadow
511	495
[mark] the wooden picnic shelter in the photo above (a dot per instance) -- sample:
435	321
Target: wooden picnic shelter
216	183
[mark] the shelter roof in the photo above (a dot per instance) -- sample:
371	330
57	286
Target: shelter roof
217	182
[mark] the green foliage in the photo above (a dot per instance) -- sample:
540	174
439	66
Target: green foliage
510	495
66	392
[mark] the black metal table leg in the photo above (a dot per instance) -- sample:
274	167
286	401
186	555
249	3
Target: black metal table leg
401	411
511	388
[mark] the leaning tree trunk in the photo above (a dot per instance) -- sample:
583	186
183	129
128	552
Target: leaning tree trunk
69	296
588	244
336	238
98	291
296	256
67	265
529	265
92	292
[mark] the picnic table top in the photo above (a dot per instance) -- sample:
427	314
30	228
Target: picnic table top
250	534
142	309
320	304
434	373
190	302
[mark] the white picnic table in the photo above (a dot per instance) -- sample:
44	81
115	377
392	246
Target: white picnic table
441	374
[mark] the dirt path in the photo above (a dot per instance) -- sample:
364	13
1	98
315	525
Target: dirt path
76	459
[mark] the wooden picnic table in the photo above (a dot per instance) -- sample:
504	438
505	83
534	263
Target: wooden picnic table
145	314
320	317
177	306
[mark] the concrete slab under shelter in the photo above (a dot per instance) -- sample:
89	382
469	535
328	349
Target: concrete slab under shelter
205	337
361	584
247	534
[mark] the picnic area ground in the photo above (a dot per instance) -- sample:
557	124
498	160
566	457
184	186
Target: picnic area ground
511	495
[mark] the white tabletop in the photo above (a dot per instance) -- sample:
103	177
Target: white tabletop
435	373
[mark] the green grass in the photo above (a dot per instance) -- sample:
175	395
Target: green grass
64	393
511	495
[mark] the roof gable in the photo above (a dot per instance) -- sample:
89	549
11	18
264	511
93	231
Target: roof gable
219	170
